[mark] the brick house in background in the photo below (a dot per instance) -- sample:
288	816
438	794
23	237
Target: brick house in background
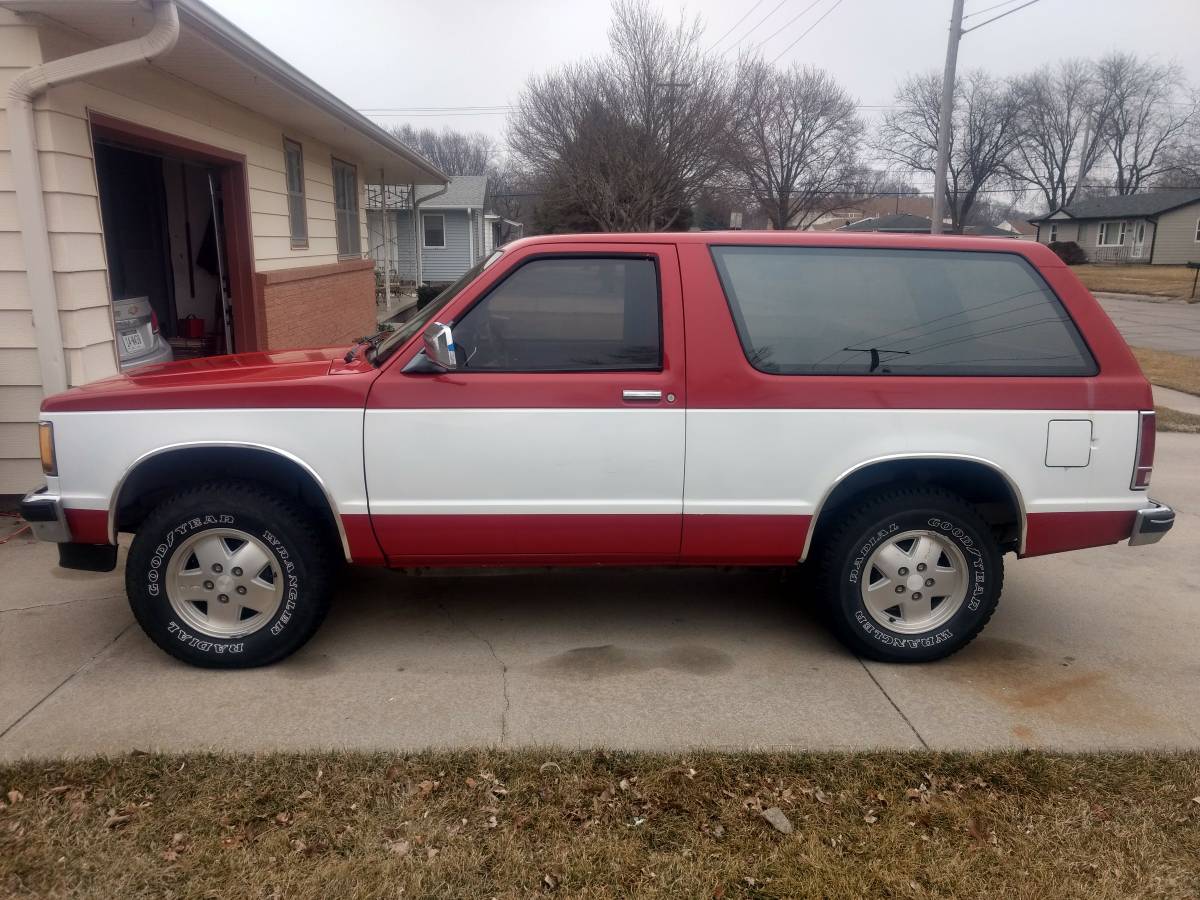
177	160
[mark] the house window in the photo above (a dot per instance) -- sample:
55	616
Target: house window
1198	231
1111	234
433	230
345	208
1053	232
293	164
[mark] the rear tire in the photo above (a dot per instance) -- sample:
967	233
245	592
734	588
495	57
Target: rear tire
910	575
229	575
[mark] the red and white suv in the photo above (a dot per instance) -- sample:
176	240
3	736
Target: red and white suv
900	411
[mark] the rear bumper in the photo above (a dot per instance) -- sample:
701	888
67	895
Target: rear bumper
44	513
1151	524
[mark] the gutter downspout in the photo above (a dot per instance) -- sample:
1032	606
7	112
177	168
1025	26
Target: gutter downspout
418	230
27	174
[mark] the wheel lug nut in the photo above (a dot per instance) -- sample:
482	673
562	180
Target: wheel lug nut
222	598
241	589
916	595
903	570
899	589
217	568
920	567
208	585
237	571
928	582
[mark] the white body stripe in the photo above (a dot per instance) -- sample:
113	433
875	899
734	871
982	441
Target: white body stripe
505	461
95	449
604	461
783	461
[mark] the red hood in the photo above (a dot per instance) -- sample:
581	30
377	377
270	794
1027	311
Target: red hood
270	379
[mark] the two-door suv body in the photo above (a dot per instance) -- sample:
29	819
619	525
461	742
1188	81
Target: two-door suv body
900	411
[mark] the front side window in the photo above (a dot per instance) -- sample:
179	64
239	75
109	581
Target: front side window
345	203
1053	233
1111	234
1198	231
293	164
566	315
433	227
842	311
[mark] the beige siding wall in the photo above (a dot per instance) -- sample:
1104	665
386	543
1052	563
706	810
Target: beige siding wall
1067	231
1176	243
145	96
20	380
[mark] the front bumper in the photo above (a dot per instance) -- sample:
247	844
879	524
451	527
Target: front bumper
1151	524
44	513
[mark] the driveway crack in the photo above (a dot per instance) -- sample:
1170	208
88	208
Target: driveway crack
85	665
862	662
500	662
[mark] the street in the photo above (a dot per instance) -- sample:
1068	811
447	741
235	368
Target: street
1092	649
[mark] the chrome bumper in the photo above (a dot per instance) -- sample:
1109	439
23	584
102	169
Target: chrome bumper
1151	524
44	513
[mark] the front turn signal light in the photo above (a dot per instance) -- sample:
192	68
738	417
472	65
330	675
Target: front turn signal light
46	446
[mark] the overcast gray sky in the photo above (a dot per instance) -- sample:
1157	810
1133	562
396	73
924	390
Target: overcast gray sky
458	53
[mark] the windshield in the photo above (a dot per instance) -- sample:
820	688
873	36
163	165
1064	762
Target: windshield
424	316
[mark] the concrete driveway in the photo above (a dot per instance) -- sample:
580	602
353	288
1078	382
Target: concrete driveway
1089	649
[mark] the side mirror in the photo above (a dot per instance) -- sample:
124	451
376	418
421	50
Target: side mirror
439	346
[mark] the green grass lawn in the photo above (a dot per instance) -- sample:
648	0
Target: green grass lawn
598	824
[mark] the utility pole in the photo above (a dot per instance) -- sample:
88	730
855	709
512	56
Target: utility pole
947	110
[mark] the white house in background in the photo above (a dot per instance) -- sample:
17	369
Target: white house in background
454	230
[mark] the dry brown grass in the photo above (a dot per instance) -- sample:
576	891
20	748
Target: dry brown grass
1163	281
1174	420
598	824
1173	370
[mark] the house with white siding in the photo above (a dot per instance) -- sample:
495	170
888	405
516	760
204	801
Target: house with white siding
1157	228
154	151
453	230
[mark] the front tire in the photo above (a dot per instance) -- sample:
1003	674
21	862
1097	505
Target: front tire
228	575
910	575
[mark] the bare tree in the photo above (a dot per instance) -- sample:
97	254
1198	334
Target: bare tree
454	152
1063	120
630	139
983	134
1150	121
796	141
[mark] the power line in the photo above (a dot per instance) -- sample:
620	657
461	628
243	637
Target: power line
807	30
764	41
745	15
774	9
989	8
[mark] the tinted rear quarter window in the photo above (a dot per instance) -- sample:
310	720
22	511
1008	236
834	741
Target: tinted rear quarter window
849	311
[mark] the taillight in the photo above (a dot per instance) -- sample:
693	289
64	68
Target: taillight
154	321
1143	463
46	446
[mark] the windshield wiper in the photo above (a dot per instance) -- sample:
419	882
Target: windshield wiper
370	342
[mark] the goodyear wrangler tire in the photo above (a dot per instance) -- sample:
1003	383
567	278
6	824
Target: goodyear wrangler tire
228	575
910	575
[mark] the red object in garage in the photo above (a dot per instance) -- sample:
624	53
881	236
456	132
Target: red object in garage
191	327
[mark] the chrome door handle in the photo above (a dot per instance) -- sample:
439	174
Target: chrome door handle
643	396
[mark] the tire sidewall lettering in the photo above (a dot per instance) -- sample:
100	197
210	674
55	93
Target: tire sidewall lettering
977	574
161	557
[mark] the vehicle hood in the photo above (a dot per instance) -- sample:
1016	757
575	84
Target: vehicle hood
268	379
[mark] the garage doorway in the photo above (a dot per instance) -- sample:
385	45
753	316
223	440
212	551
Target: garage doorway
176	238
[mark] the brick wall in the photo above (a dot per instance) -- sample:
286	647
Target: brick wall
315	306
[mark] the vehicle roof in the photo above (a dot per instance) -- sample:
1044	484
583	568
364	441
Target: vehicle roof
1036	252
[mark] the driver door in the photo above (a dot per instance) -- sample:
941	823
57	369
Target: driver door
559	436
